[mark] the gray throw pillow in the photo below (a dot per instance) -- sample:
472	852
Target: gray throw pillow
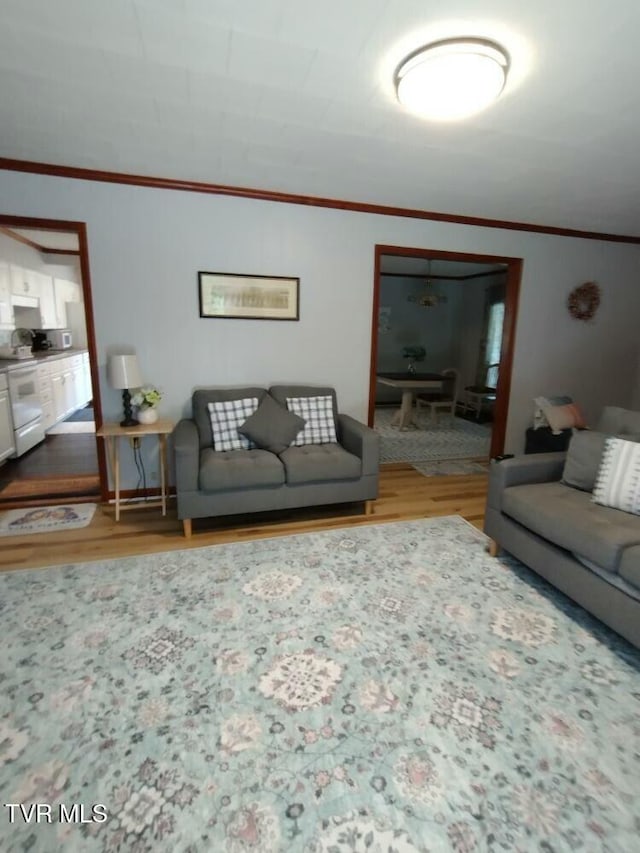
271	426
583	458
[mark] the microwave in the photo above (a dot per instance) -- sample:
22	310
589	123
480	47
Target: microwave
60	338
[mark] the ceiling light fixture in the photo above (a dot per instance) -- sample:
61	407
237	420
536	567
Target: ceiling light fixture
452	78
430	296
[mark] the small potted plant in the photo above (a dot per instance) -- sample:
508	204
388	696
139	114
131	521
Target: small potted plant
146	399
413	354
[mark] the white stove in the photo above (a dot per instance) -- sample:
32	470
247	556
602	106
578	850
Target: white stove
26	407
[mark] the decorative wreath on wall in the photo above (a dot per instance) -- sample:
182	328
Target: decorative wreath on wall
583	301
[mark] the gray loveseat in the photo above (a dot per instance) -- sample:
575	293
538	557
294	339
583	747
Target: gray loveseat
539	509
212	482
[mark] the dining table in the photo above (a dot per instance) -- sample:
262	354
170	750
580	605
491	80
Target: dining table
410	384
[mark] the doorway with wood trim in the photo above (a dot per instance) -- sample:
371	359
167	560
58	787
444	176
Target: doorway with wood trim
45	288
443	330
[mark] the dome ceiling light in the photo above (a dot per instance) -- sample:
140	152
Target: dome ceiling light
452	78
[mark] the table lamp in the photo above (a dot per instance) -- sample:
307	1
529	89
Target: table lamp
123	373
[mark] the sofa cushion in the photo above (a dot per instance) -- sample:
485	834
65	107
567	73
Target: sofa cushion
319	463
569	518
226	416
618	481
203	396
617	421
227	470
271	426
584	455
630	566
583	459
319	424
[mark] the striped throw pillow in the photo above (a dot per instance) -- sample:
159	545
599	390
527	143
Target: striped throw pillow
226	416
317	412
618	482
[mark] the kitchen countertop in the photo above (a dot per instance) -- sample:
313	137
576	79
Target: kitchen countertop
38	357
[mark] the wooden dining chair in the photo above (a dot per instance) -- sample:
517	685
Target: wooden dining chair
475	397
444	401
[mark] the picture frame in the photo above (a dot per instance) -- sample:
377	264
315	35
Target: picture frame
248	297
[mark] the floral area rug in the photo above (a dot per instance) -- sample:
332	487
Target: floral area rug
385	688
453	438
44	519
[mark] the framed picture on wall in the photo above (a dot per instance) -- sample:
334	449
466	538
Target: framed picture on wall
248	297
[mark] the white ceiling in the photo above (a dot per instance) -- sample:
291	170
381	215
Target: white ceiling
296	96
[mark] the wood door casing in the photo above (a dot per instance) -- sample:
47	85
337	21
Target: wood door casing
514	275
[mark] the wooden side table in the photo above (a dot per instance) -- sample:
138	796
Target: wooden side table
112	432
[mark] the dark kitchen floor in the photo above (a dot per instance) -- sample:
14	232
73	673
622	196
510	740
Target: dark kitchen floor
62	466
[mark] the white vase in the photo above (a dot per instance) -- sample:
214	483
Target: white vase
148	415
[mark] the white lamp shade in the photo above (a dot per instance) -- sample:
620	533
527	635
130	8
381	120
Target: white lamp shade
123	371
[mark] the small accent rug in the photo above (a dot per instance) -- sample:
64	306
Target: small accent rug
381	688
454	438
450	467
44	519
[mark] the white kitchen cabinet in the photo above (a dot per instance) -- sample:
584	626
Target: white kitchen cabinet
48	314
65	386
53	295
87	391
7	442
66	380
58	390
24	282
77	392
65	291
6	310
60	293
46	395
61	388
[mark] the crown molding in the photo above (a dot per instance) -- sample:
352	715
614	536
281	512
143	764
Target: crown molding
82	174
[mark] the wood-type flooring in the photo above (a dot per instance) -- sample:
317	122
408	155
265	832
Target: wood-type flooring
62	467
404	494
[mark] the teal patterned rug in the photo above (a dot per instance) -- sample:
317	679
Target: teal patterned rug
452	438
382	688
451	467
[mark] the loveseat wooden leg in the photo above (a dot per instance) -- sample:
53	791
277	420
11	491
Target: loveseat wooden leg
368	507
186	527
494	548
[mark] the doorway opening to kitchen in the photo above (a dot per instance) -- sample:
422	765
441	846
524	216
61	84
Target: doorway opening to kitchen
48	447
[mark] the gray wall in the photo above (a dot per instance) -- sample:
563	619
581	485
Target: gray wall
411	324
414	325
146	247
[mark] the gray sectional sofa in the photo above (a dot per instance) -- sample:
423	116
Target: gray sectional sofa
212	482
539	509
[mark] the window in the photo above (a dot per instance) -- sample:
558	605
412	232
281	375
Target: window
494	343
491	341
